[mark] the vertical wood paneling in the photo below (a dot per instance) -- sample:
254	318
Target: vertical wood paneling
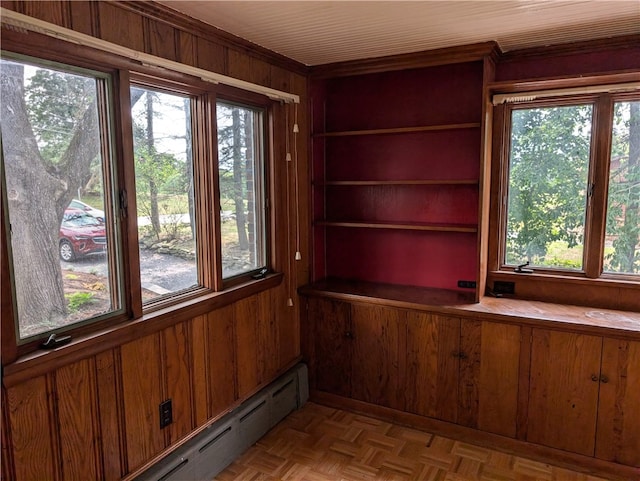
288	327
618	434
199	369
375	358
433	343
50	11
121	26
498	378
211	56
82	17
178	364
186	48
246	312
248	68
31	431
563	397
524	370
160	39
268	337
280	78
109	415
142	394
76	392
331	327
221	362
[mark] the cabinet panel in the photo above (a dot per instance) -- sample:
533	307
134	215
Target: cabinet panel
489	376
431	385
618	413
330	328
375	375
565	369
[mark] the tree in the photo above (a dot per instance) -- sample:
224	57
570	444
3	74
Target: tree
547	179
43	170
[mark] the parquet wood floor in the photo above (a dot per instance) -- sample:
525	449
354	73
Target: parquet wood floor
318	443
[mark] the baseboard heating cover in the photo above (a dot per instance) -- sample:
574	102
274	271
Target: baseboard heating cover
203	457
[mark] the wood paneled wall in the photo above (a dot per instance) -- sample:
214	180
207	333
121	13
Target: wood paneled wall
96	415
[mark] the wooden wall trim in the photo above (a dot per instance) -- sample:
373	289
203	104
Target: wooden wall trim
588	46
544	454
428	58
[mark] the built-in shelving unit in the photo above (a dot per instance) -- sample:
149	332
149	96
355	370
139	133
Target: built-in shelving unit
396	175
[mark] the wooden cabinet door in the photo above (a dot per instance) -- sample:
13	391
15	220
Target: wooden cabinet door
432	365
375	372
330	333
489	372
563	393
619	407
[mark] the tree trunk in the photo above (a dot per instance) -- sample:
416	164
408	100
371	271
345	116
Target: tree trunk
237	180
153	188
38	195
631	228
249	166
189	169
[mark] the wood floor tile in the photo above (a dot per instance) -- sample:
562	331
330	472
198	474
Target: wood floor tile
318	443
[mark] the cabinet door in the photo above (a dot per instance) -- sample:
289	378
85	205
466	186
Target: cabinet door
330	331
375	374
489	365
618	410
565	372
433	350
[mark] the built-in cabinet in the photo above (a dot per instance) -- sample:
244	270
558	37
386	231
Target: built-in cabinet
584	393
558	388
443	367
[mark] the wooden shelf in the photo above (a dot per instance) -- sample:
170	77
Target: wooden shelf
401	226
399	130
397	182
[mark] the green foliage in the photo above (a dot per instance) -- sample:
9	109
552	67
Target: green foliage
547	179
76	300
56	102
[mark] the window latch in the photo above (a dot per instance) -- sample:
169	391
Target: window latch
522	269
53	341
590	188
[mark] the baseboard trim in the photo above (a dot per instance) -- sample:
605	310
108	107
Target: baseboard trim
575	462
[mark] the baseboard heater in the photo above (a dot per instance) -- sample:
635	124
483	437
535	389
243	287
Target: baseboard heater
203	457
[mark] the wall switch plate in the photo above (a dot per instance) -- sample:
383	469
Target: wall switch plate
166	413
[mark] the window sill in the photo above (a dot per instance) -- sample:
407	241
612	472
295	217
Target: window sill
603	292
39	362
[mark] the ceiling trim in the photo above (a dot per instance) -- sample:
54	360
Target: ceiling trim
427	58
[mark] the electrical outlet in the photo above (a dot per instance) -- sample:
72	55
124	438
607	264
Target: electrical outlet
467	284
166	413
504	287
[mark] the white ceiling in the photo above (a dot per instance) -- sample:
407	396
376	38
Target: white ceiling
319	32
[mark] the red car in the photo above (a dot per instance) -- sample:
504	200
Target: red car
80	234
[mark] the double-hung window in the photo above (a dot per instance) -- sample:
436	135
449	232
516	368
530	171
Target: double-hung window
568	186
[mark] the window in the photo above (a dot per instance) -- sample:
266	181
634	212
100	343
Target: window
568	179
113	212
56	160
162	144
241	185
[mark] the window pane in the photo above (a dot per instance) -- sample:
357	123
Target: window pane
61	229
548	172
240	169
164	192
622	241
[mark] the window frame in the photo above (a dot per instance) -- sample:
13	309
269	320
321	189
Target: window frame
135	318
589	286
263	135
